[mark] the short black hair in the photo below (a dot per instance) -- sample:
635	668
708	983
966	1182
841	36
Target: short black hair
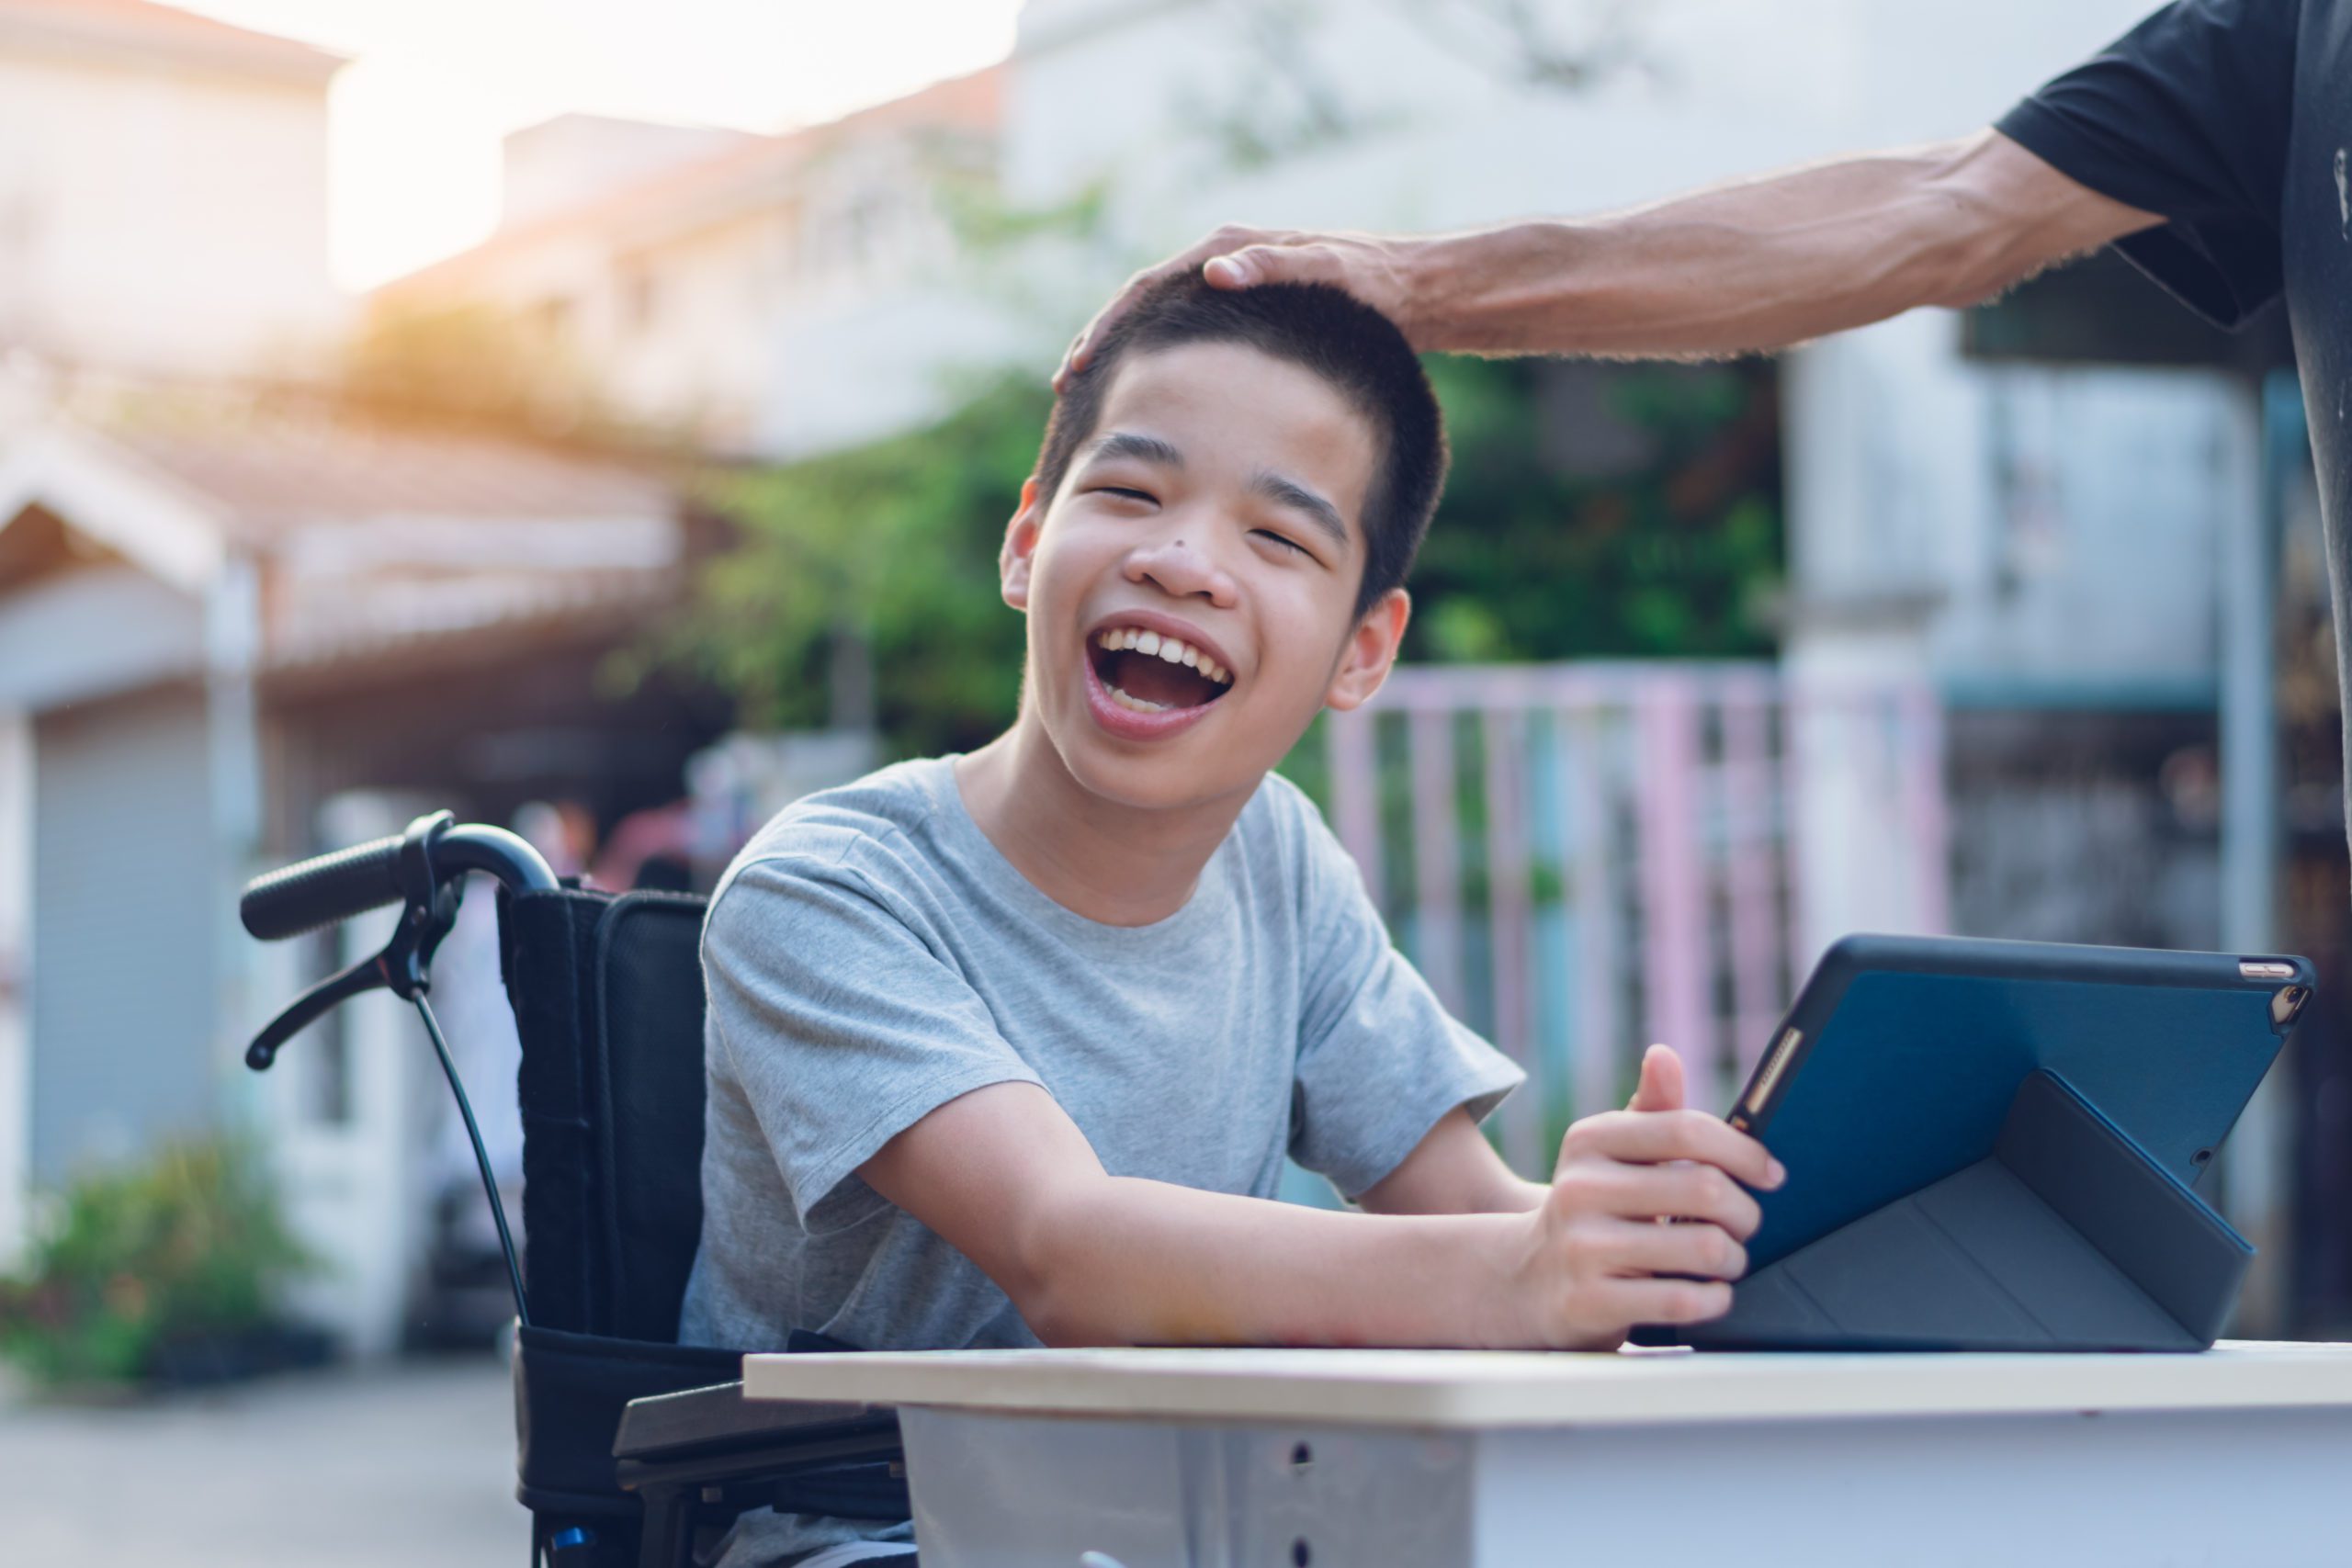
1324	330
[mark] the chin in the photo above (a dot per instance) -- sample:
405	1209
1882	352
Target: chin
1166	777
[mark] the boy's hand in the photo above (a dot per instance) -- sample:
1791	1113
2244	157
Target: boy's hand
1596	1251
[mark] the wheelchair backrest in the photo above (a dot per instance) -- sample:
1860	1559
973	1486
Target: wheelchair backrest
608	999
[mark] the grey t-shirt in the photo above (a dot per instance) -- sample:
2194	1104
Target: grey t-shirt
871	955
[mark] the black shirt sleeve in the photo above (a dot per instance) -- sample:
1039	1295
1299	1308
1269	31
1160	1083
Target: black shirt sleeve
2186	116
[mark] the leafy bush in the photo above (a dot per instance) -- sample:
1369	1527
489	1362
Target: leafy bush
135	1260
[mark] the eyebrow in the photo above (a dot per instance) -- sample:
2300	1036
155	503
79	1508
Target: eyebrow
1298	498
1142	448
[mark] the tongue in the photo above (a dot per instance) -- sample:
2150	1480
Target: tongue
1153	679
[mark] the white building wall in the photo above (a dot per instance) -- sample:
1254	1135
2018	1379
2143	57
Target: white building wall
15	974
1132	88
163	220
550	166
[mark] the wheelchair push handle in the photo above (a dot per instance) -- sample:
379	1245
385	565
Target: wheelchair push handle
424	868
327	889
322	890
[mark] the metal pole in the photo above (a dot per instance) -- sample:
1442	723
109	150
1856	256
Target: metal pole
2257	1161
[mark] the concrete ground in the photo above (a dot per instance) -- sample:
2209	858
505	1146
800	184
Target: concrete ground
388	1467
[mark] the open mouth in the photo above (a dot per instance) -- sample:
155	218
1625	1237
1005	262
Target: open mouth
1146	672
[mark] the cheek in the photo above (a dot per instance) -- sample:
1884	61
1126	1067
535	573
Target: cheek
1299	623
1051	573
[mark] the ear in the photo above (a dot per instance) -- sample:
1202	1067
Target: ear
1370	651
1020	546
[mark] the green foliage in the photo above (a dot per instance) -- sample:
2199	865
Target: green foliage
192	1242
894	544
1529	560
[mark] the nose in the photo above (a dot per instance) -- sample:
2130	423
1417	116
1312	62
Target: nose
1181	570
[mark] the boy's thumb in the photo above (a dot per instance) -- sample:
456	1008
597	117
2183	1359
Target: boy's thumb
1661	1085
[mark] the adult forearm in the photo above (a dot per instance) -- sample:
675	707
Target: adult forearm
1136	1262
1758	264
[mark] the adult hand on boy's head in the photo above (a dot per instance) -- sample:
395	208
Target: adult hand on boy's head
1369	266
1598	1260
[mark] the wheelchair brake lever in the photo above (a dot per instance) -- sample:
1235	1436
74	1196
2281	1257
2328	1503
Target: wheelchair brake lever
368	975
403	968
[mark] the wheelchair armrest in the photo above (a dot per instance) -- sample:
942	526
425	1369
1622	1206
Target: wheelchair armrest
669	1428
701	1456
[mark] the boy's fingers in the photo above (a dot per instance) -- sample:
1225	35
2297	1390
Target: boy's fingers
1652	1137
1704	1250
1662	1086
1647	1193
1667	1301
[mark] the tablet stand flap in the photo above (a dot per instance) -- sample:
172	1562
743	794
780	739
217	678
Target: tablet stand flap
2142	1218
2066	1237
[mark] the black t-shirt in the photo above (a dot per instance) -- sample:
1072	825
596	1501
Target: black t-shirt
2233	119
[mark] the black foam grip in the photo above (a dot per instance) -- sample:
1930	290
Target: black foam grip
322	890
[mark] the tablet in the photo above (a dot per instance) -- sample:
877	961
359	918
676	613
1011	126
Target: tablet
1902	1054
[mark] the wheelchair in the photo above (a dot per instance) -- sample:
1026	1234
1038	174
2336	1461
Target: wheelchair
628	1446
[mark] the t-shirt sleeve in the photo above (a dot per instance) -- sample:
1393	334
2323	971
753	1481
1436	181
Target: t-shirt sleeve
2186	116
840	1023
1380	1060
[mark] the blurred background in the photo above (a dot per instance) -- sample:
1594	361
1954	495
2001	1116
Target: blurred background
599	419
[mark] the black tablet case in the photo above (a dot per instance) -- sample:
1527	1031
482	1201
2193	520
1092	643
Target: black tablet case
2067	1237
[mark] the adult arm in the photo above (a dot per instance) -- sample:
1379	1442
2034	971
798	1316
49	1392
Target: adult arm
1749	265
1090	1258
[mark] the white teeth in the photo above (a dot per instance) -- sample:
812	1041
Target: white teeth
1137	704
1172	650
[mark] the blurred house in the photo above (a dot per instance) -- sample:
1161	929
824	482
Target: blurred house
754	295
239	616
162	191
208	632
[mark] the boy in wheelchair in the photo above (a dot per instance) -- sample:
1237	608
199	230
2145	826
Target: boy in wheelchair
1008	1048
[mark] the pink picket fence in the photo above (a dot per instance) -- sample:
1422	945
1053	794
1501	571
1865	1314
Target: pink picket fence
1584	857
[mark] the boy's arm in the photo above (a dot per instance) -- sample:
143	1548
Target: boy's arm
1452	1171
1004	1176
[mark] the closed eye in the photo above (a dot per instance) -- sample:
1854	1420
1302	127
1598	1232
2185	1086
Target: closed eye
1288	543
1130	494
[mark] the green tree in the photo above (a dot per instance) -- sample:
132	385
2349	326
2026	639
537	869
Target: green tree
1671	556
885	553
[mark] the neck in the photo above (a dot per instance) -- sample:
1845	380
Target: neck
1119	865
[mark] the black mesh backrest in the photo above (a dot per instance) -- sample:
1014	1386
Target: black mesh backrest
649	974
608	999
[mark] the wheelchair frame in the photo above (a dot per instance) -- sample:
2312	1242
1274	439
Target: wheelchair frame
629	1445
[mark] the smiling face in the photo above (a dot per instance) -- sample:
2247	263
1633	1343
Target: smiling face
1191	586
